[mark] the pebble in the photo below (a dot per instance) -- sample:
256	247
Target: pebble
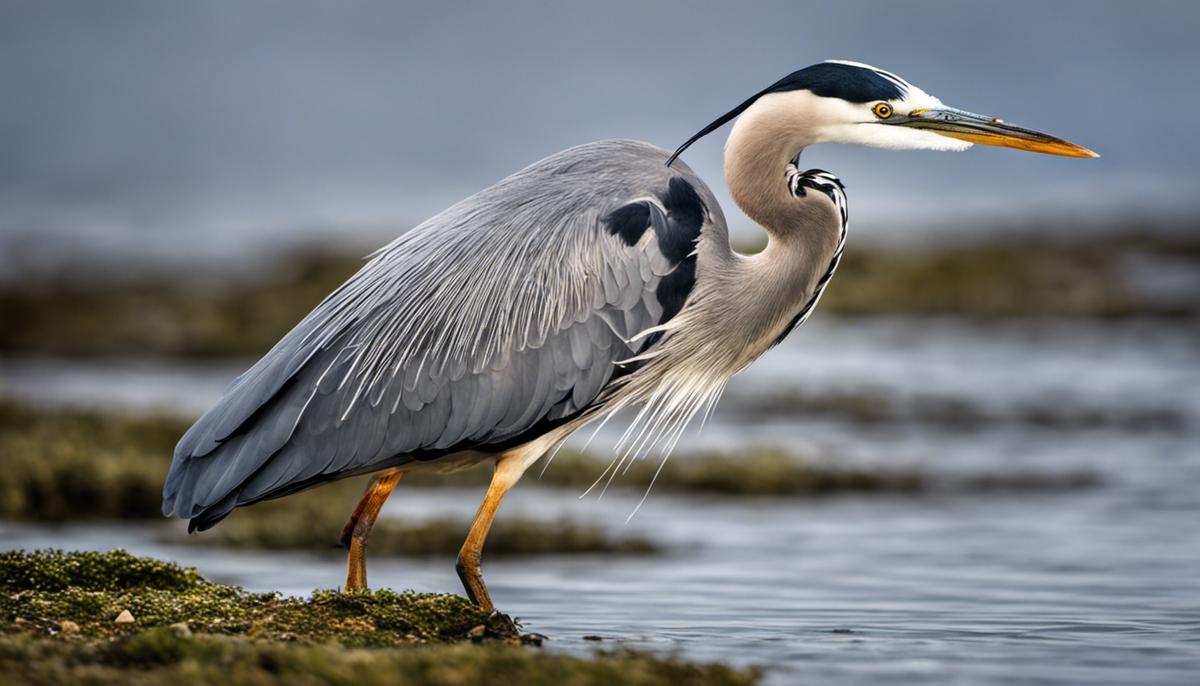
476	633
181	629
126	617
68	627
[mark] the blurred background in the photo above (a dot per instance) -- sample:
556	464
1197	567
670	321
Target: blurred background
979	460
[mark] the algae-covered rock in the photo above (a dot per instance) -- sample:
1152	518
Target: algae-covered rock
43	589
56	627
157	657
54	570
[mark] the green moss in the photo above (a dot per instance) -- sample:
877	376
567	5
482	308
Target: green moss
52	571
64	465
1006	277
57	613
40	591
166	659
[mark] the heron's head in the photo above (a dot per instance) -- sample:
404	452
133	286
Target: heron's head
848	102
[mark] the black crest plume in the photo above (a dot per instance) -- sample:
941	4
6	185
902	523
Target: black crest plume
849	82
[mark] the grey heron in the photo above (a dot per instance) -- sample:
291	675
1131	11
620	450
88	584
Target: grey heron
598	279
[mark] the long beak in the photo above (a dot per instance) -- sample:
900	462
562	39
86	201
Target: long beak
977	128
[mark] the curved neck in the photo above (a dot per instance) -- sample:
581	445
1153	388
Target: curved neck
803	233
765	138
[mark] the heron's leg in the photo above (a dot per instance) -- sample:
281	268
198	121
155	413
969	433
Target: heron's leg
355	533
508	472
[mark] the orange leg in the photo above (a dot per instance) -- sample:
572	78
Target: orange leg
354	535
508	471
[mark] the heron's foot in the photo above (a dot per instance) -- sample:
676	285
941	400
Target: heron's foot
504	625
472	581
501	627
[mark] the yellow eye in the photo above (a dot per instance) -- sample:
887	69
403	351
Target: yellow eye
882	110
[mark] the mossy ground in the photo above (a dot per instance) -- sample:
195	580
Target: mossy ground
58	625
161	658
43	589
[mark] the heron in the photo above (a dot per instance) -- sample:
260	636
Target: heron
596	280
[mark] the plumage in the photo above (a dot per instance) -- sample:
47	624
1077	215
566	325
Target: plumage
462	334
598	279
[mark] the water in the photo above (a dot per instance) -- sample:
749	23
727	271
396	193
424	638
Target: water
222	128
1097	585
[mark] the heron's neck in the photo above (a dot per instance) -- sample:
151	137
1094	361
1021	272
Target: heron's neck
765	138
803	233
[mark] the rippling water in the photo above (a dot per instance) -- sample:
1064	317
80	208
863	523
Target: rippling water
1097	586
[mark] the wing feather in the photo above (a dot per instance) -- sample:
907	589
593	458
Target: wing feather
506	311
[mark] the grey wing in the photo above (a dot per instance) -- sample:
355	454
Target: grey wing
480	329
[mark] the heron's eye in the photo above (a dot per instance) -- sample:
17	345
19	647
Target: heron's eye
882	110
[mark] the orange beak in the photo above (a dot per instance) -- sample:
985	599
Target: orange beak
976	128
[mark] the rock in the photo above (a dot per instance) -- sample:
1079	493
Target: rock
126	617
68	627
504	626
533	639
476	633
181	629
